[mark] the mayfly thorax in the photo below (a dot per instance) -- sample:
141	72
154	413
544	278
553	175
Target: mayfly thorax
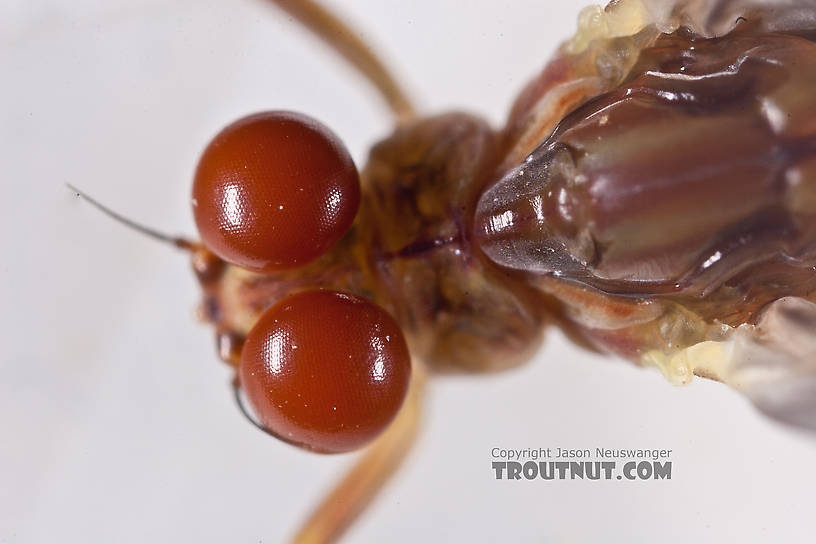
653	193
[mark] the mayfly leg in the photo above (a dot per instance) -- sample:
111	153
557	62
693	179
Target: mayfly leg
369	474
340	37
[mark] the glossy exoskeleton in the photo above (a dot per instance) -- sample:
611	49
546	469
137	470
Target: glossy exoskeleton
653	193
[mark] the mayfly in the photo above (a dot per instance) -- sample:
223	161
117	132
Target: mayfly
653	193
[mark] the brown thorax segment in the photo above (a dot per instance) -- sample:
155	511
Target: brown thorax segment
421	188
660	206
608	42
696	168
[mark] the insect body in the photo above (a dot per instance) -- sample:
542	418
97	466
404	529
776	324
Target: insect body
652	193
679	199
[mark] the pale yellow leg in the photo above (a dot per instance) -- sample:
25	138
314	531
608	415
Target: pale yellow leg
376	465
345	41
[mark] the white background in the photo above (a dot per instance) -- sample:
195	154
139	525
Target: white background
116	419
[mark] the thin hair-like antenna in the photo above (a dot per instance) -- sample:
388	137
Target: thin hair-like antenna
176	241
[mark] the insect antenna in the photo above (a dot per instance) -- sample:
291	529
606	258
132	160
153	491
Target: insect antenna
176	241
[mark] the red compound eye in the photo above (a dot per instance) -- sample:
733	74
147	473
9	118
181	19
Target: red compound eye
273	191
325	370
